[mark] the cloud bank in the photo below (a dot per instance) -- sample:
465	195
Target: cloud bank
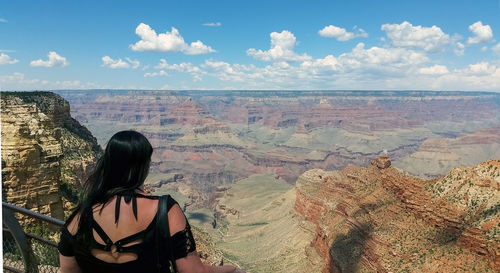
119	63
430	39
5	59
166	42
482	34
281	50
340	34
54	60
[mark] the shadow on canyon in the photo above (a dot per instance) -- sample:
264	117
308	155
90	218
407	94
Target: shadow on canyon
346	250
199	216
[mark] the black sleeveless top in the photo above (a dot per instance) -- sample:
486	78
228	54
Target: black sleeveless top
182	243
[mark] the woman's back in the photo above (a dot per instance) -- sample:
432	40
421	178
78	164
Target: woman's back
115	228
129	244
126	227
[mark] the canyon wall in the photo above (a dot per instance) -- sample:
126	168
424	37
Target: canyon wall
195	133
374	219
46	154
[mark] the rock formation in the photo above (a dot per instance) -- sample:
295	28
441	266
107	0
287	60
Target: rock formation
46	154
437	156
216	137
374	219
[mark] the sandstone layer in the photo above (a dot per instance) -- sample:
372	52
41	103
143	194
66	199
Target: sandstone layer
374	219
46	154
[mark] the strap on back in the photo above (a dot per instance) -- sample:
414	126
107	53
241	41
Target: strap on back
162	222
165	202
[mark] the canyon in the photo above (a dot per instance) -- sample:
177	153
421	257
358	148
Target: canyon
370	218
212	138
285	181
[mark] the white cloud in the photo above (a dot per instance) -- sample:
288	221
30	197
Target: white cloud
324	65
163	64
482	34
193	70
459	49
5	59
362	67
119	63
376	60
434	70
282	45
155	74
482	68
212	24
19	82
496	49
113	64
3	20
182	67
430	39
166	42
479	76
386	68
134	63
53	61
341	34
229	72
197	48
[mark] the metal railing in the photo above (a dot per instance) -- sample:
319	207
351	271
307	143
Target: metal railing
25	251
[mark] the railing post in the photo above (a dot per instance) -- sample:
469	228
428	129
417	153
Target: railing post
9	220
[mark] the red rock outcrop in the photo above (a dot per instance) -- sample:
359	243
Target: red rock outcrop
439	155
374	219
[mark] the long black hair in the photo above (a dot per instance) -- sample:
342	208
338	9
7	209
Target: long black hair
122	168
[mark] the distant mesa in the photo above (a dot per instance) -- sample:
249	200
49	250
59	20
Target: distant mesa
189	113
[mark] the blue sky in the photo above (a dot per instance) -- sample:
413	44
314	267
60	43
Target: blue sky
423	45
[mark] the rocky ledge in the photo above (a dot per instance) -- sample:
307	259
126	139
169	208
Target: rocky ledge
375	219
46	154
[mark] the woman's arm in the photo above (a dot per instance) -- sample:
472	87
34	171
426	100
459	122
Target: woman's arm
192	262
68	264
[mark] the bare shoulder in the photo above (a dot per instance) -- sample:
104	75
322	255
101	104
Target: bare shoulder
176	219
73	223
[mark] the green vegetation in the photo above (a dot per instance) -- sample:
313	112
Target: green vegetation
45	254
491	211
68	190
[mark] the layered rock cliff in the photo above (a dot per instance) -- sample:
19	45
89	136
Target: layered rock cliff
237	134
438	156
46	154
374	219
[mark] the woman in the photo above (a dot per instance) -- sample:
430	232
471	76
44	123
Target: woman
114	227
